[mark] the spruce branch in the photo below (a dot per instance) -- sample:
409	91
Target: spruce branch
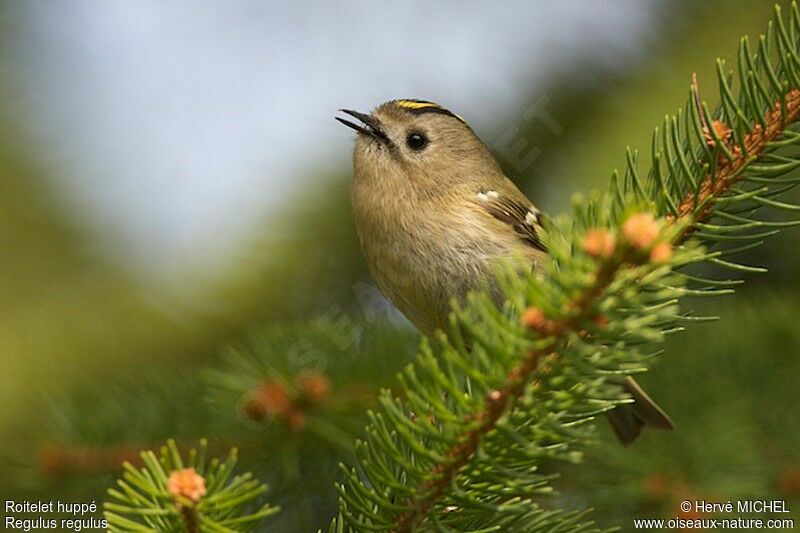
526	372
462	449
192	494
700	205
300	381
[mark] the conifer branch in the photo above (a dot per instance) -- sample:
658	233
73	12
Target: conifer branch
188	493
497	401
698	206
588	317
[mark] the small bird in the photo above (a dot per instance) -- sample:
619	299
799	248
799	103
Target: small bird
434	213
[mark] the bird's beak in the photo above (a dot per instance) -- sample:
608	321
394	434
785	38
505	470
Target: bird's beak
369	126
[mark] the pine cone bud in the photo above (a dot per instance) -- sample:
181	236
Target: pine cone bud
187	483
661	253
599	243
641	230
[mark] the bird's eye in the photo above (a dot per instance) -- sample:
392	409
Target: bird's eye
416	141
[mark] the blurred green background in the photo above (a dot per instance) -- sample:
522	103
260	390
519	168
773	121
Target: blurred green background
103	353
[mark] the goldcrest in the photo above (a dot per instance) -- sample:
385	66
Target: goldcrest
435	213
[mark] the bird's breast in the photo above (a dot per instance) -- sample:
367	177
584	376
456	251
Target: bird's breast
424	258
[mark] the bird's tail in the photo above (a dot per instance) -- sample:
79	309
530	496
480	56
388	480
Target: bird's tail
628	420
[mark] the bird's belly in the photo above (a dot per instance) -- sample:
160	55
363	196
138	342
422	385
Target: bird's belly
422	280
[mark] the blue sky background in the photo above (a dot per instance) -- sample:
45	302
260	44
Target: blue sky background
174	127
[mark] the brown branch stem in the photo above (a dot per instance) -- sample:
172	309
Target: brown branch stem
189	517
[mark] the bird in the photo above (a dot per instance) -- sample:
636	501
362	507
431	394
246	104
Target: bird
434	213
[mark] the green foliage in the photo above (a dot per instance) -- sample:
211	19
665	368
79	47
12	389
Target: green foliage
321	375
325	373
482	411
295	398
150	498
731	394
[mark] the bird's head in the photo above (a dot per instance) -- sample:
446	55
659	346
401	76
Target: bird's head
420	142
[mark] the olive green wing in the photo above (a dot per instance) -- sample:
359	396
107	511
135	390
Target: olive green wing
519	213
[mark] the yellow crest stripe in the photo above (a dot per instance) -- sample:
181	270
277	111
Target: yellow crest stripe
422	106
415	104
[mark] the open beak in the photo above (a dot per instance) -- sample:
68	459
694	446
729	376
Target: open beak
369	126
